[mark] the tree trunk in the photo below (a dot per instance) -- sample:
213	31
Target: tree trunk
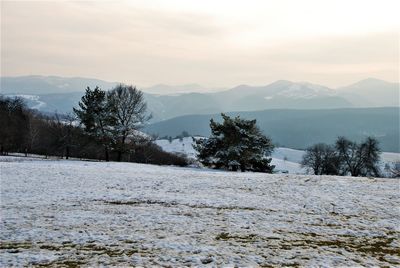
107	156
67	152
122	148
242	168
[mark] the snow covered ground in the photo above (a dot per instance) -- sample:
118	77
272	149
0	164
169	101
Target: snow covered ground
33	100
184	146
284	159
119	214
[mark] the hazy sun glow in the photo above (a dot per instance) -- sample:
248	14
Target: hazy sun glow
214	43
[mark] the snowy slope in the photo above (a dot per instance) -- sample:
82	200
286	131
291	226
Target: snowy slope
185	146
291	155
122	214
33	101
284	159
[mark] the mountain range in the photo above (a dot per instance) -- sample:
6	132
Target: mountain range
53	93
294	114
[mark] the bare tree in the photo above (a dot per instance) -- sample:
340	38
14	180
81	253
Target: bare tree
129	112
358	159
321	159
33	129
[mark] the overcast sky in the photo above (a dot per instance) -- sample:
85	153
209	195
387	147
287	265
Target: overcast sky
213	43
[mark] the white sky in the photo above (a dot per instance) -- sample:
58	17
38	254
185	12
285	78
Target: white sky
214	43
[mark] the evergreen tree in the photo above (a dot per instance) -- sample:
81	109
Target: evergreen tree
236	144
94	114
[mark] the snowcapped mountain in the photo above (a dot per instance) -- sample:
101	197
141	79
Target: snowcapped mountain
51	93
279	95
283	88
306	90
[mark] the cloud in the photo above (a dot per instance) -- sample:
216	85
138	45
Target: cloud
213	43
353	49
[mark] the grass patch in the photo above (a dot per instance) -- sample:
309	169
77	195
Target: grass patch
238	238
16	245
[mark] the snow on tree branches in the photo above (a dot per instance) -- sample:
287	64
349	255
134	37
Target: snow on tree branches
236	144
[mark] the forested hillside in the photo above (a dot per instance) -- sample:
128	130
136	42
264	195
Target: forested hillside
301	128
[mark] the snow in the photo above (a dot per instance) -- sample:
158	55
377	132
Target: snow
390	157
286	160
288	165
36	102
184	146
123	214
291	155
283	166
305	91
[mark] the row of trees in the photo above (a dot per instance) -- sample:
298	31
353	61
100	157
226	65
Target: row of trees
104	127
180	137
345	157
239	144
14	129
108	128
27	131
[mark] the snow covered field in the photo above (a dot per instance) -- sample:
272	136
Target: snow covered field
96	213
284	159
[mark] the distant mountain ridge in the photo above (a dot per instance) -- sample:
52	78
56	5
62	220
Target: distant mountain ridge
299	129
162	89
41	85
53	93
364	93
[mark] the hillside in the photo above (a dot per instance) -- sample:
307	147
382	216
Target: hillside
301	128
39	85
45	92
83	213
286	160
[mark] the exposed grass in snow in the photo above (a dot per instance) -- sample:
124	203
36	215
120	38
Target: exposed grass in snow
75	213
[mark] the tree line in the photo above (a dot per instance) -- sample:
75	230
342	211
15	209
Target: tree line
345	157
104	126
238	144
